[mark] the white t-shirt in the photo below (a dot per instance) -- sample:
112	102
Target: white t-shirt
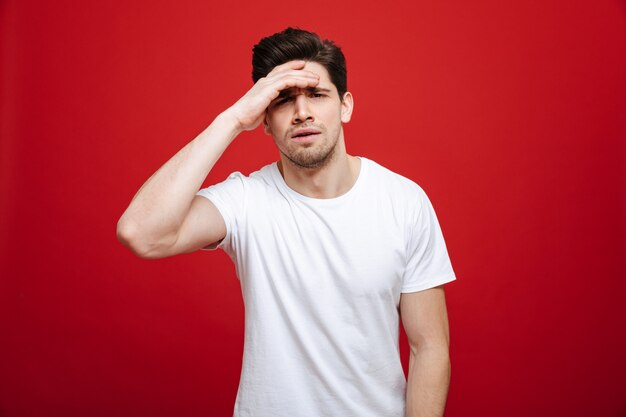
321	282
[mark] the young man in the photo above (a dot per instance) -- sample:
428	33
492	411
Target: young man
331	249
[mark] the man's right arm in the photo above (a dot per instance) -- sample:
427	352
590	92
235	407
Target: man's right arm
166	217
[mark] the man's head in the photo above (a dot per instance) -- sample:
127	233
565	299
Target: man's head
306	123
296	44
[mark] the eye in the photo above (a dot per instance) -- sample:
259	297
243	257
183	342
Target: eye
317	95
284	100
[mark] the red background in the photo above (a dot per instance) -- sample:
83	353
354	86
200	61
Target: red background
511	115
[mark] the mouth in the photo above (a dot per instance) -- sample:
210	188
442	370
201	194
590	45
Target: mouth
304	132
305	135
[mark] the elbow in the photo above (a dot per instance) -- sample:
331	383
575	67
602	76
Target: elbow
434	348
128	235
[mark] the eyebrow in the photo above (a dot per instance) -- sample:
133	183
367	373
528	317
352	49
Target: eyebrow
289	91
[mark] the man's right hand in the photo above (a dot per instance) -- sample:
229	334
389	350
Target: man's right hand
249	111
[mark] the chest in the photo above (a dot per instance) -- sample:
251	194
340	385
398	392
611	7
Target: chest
353	250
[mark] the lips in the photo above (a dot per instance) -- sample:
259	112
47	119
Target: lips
302	133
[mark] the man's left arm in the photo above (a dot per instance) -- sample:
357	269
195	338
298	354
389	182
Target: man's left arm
425	321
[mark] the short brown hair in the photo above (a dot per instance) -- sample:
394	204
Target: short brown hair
293	44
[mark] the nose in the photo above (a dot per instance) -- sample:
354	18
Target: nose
301	112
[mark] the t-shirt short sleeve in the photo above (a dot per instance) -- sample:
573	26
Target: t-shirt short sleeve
428	264
229	198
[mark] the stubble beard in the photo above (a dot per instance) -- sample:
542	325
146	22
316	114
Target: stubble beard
314	156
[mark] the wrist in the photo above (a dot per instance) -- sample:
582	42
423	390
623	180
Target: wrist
230	121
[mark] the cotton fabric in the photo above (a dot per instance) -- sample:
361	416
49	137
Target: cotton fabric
321	281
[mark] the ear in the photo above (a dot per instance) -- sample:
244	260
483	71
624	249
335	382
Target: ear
347	105
266	126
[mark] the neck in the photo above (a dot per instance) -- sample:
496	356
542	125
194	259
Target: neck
328	181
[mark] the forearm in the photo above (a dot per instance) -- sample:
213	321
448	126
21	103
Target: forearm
427	385
155	215
159	207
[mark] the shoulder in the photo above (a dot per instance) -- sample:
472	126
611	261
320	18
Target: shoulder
391	182
265	176
237	188
262	177
390	192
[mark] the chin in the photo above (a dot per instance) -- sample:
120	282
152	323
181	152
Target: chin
311	160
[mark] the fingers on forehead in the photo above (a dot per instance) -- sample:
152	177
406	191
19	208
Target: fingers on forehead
297	64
